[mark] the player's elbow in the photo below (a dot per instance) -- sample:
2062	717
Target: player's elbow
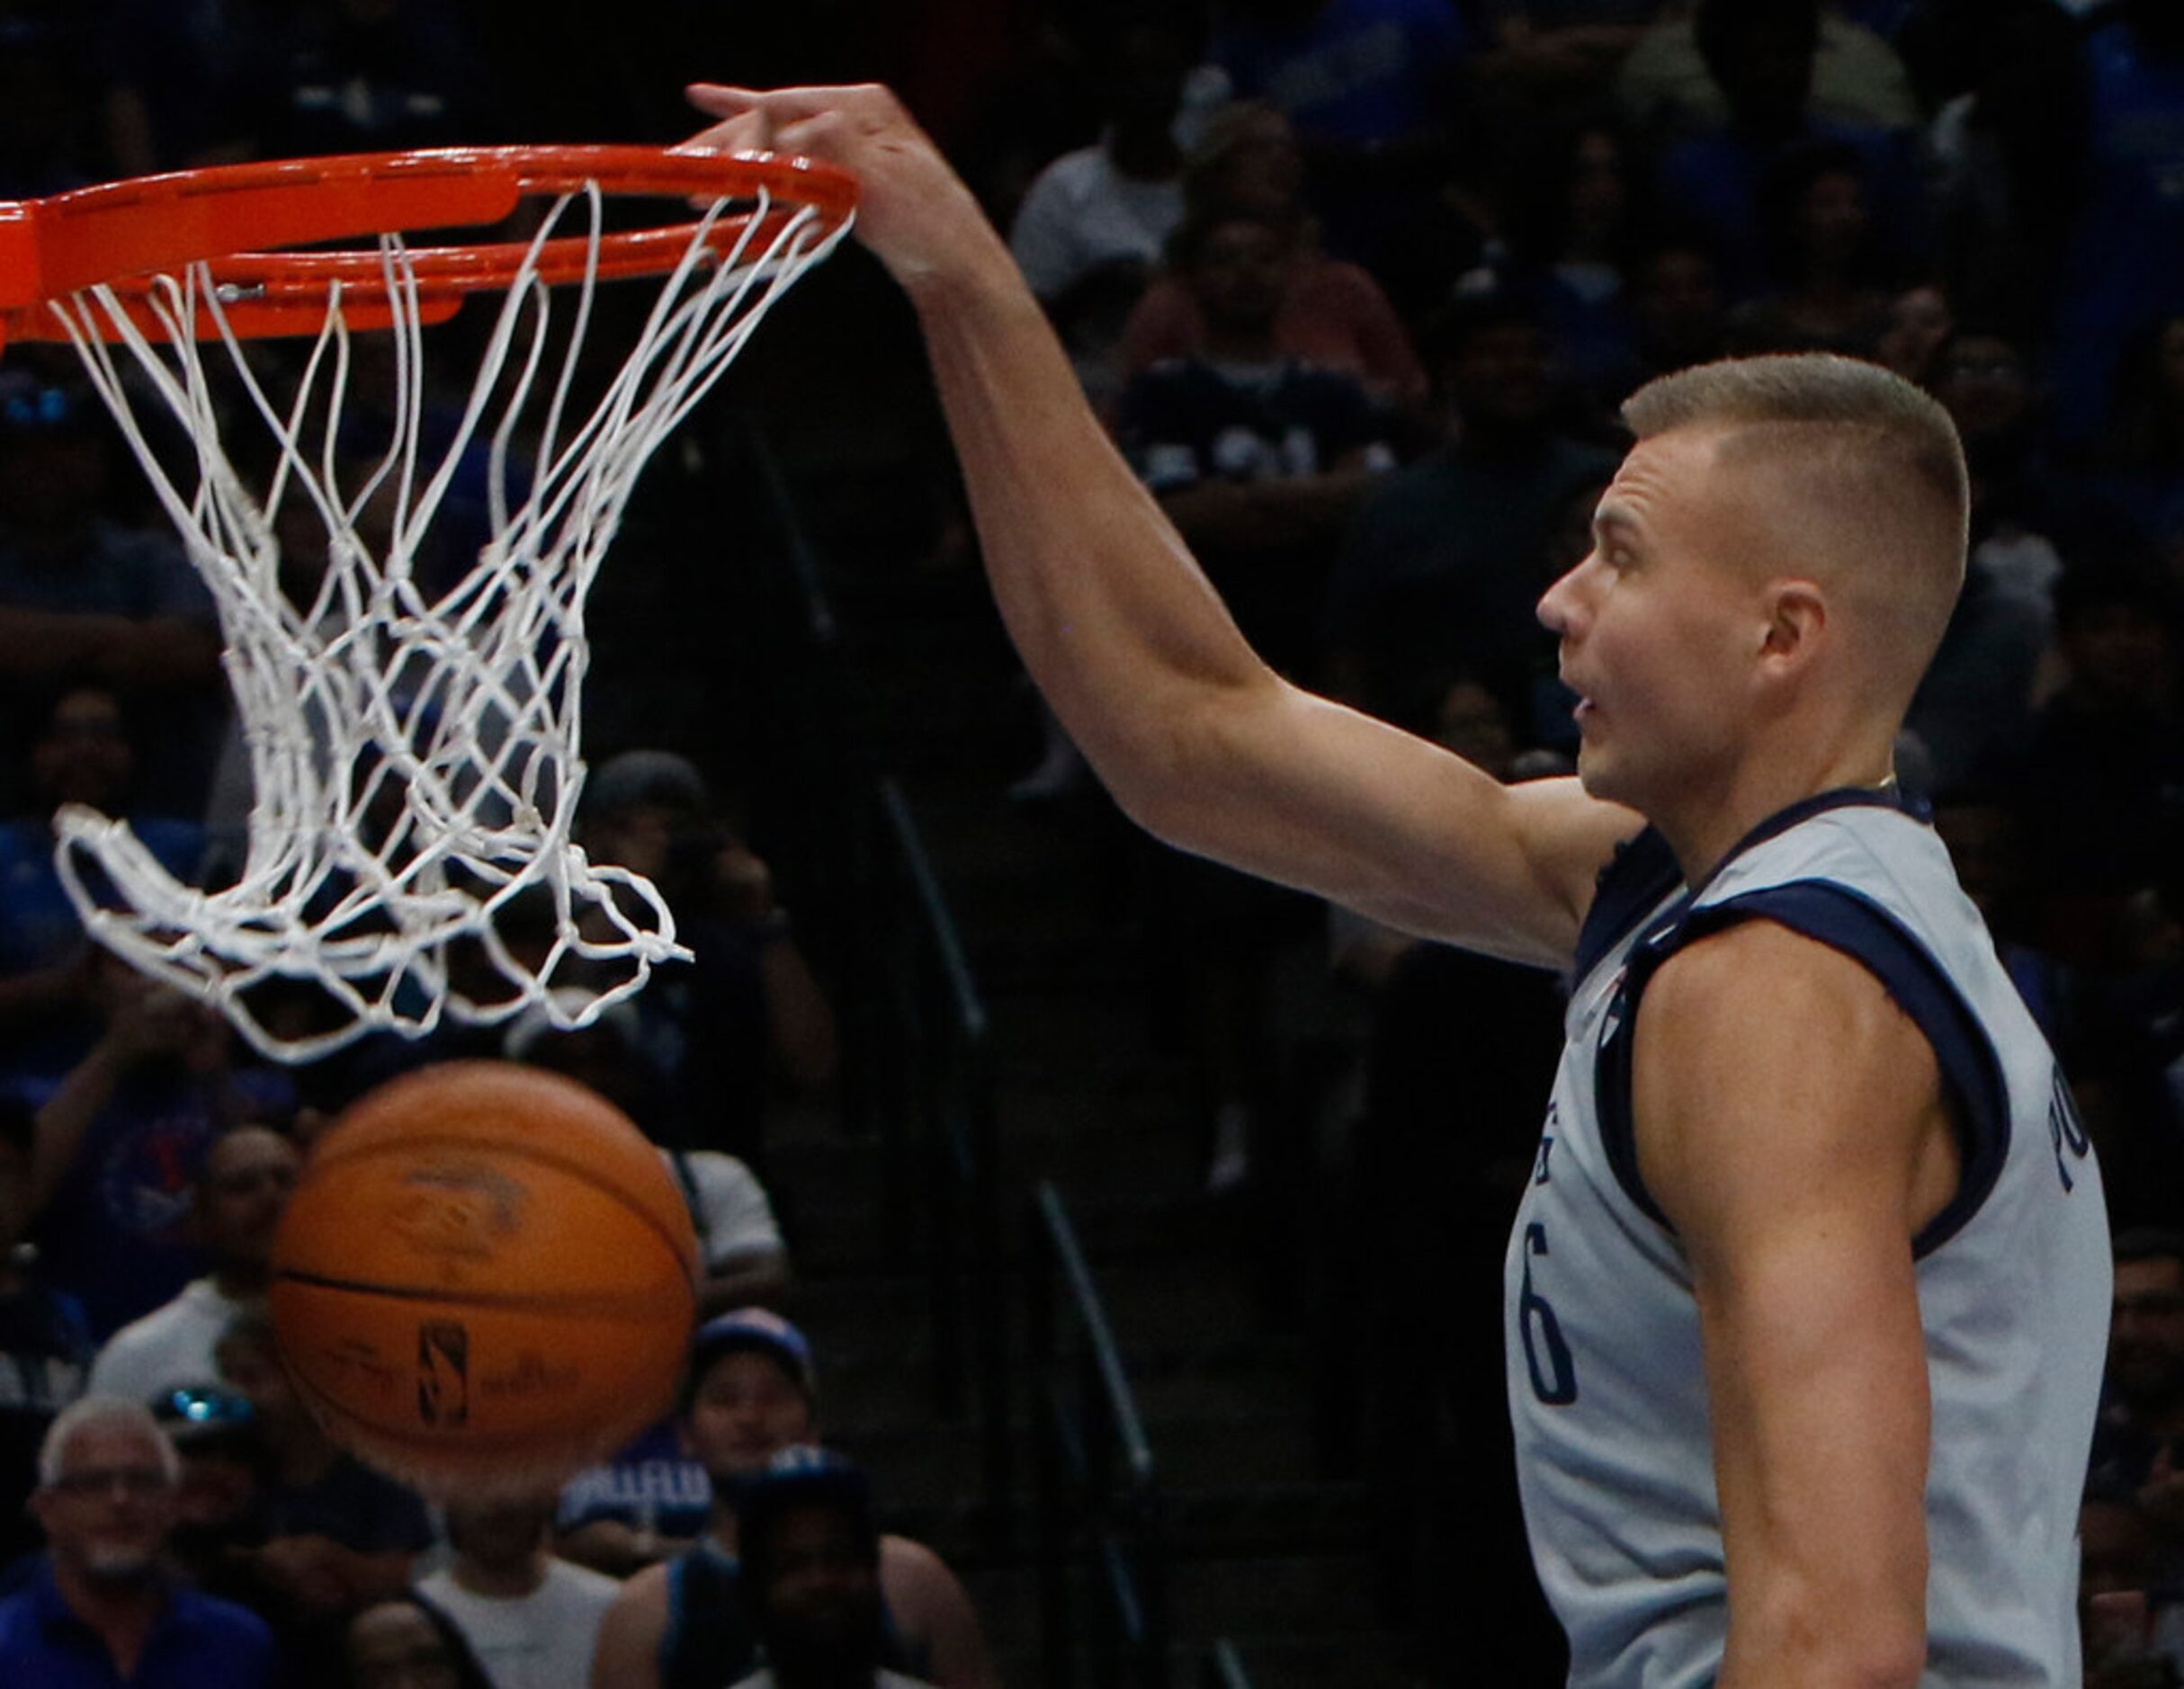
1857	1643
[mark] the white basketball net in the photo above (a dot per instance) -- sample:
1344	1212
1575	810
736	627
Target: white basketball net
415	760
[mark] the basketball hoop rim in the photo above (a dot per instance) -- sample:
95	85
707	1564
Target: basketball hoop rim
236	219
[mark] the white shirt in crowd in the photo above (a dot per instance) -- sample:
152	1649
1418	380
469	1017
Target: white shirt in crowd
733	1216
543	1640
170	1348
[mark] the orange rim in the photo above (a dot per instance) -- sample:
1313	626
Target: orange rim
236	218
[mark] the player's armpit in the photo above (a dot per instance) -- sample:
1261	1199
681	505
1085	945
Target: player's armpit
1791	1126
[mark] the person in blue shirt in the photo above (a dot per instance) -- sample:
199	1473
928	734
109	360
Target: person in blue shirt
102	1609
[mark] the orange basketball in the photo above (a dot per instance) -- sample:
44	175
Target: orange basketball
486	1279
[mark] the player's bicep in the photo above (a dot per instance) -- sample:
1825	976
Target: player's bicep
1310	793
1785	1112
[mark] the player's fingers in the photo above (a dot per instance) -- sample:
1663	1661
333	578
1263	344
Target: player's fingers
719	99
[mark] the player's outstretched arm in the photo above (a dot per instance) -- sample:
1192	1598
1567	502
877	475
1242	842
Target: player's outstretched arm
1790	1125
1197	738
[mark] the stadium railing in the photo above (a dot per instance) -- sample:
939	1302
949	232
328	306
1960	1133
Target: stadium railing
1223	1668
1097	1496
917	1072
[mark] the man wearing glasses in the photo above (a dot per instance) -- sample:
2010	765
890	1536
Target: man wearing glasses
102	1609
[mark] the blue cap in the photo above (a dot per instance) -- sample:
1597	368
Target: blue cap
756	1329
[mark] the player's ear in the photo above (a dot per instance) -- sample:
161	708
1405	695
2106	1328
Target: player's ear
1796	618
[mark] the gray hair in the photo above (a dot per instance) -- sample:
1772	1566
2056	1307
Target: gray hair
92	1411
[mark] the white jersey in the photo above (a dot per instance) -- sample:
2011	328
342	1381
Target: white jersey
1606	1388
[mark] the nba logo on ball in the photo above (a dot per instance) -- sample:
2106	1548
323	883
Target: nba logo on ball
505	1239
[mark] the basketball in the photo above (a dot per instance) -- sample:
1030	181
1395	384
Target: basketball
485	1280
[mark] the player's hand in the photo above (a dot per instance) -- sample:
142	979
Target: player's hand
913	210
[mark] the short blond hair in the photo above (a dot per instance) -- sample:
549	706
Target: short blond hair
1878	459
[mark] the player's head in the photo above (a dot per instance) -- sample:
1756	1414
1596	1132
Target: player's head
1773	566
106	1487
751	1391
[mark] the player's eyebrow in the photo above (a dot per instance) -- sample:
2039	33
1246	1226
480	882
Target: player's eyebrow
1616	522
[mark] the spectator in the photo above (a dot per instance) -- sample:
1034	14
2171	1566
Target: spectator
1667	91
751	1393
1093	222
1817	225
1679	306
811	1566
2005	145
2138	465
404	1642
1368	84
2101	788
45	1345
2138	1449
1566	50
2133	1630
120	1136
332	1534
82	598
1760	54
746	1263
1921	321
1987	844
84	752
102	1609
363	76
2123	257
239	1192
1974	708
216	1496
1577	224
748	1016
1258	458
531	1619
1332	314
173	81
1445	563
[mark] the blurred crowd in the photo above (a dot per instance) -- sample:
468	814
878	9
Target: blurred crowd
1358	285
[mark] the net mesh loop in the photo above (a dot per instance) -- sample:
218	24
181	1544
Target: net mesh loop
414	756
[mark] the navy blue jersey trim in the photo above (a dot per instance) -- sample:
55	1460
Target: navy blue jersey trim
1641	872
1819	803
1844	920
1644	870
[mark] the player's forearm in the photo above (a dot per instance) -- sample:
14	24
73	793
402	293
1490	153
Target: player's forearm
1114	619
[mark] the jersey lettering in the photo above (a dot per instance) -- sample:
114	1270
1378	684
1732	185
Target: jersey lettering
1556	1384
1539	1167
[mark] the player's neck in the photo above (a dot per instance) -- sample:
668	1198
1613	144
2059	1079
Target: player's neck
1707	824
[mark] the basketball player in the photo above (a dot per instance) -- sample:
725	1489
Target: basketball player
1807	1297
